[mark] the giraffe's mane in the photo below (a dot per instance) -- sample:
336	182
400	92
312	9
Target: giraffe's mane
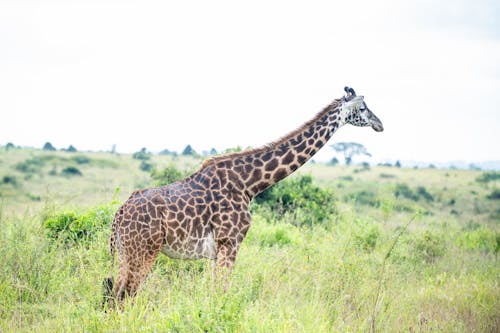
212	160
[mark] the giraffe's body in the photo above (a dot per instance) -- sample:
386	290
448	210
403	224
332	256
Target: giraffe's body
206	215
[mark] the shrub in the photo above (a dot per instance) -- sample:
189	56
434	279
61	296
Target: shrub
368	198
9	180
30	165
167	152
278	234
429	246
53	171
299	194
386	175
168	175
81	159
334	161
33	197
495	195
487	177
481	238
59	224
71	171
74	226
366	237
404	190
142	155
146	166
422	192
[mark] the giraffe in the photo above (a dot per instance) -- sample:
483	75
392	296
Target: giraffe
206	215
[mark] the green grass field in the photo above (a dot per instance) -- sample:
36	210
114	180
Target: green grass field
405	250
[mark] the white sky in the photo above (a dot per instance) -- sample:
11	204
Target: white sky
224	73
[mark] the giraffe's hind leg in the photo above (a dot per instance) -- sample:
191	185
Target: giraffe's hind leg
139	238
136	258
133	271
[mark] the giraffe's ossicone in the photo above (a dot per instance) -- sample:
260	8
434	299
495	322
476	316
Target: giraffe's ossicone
206	215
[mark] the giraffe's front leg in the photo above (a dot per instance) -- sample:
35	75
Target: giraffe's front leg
226	256
228	237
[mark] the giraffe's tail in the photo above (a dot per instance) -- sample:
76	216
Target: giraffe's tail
109	281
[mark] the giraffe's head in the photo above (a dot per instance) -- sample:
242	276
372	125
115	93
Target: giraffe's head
354	111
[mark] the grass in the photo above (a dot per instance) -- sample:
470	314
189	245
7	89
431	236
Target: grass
362	269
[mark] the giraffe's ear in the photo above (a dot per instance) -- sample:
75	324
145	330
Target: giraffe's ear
358	99
355	102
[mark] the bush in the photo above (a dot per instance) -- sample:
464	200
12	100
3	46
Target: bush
481	238
167	152
487	177
422	192
76	227
168	175
386	175
404	190
142	155
268	235
429	246
81	159
71	171
334	161
495	195
9	180
299	194
33	197
146	166
59	224
368	198
30	165
366	237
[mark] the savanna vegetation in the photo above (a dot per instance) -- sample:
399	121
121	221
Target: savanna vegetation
331	249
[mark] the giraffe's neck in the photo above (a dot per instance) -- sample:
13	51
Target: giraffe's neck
257	169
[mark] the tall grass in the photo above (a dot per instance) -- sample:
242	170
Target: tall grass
287	278
360	267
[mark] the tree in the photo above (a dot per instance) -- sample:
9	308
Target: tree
213	151
397	164
188	151
334	161
142	155
168	175
349	150
48	146
9	146
71	149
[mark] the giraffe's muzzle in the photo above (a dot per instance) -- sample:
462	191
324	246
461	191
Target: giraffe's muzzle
376	123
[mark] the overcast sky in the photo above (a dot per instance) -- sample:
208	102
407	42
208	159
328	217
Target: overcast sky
225	73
